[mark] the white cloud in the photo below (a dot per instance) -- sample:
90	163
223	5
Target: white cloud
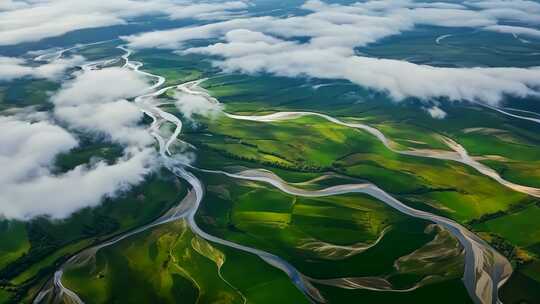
28	114
190	104
400	79
436	112
118	120
26	149
449	17
59	196
36	20
521	5
516	30
157	39
95	102
516	10
345	25
99	86
264	44
27	187
13	68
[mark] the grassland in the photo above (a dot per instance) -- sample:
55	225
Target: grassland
514	146
14	241
444	190
521	228
313	144
322	236
169	263
98	51
4	296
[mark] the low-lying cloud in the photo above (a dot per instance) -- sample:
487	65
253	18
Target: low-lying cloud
515	30
25	21
26	149
12	68
29	189
189	105
94	102
100	86
271	44
118	121
400	79
436	112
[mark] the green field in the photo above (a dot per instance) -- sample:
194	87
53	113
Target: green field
170	262
512	142
313	144
14	241
521	228
298	229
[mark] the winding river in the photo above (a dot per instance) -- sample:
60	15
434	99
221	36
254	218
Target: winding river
458	153
505	112
485	269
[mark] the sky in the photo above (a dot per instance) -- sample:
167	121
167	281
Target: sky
321	42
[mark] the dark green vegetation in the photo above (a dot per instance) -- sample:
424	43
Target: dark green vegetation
16	241
22	93
463	48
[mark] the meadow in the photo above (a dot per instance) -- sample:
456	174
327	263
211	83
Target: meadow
170	262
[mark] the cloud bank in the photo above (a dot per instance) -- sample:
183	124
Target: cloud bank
27	186
25	21
189	105
13	68
26	149
400	79
271	44
515	30
95	102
